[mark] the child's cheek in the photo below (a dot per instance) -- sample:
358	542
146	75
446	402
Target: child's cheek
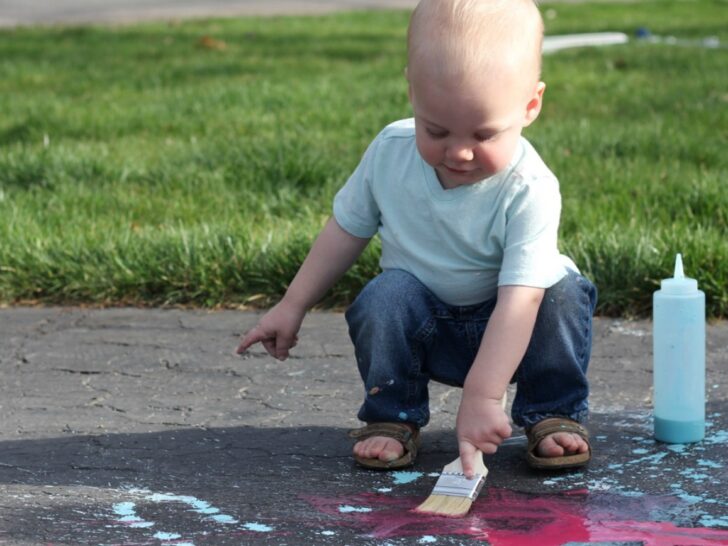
429	151
494	159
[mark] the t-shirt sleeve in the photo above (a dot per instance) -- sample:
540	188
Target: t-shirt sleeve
355	208
530	254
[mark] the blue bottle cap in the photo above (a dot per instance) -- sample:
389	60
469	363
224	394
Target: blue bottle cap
679	284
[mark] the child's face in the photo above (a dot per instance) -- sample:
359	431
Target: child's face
468	130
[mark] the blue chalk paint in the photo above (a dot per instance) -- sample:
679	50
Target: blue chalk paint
197	505
640	451
707	520
258	527
719	437
166	536
402	416
427	539
406	477
650	459
348	509
124	509
694	475
709	464
127	515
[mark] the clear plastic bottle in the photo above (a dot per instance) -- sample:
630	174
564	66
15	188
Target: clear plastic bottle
679	359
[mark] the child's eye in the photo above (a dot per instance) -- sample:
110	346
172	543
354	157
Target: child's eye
485	137
435	133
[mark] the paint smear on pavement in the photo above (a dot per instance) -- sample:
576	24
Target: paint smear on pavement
128	516
401	478
509	518
258	527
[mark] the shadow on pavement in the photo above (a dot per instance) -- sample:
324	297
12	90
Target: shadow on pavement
273	485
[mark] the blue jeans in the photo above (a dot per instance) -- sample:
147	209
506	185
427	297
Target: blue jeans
404	336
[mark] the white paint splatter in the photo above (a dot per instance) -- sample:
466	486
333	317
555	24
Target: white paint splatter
257	527
345	509
328	533
384	490
427	539
628	330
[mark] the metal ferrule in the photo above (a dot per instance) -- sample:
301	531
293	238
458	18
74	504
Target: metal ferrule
457	485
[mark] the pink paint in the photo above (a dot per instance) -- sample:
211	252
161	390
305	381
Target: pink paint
509	518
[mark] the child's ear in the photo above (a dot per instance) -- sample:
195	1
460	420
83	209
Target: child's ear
533	108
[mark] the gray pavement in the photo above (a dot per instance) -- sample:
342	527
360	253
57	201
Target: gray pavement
127	426
34	12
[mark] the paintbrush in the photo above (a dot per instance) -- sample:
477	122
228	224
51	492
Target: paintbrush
454	493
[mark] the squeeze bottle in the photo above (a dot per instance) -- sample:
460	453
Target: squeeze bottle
678	336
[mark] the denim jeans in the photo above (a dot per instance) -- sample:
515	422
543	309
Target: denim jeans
404	337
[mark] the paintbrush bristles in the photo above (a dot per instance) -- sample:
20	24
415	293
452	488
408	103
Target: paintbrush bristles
444	505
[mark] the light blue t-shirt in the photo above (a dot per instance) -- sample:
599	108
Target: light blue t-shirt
461	243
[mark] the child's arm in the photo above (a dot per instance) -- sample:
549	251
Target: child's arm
332	254
481	423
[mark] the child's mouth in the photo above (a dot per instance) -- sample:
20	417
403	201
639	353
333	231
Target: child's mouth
457	171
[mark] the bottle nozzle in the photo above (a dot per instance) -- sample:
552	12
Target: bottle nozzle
679	273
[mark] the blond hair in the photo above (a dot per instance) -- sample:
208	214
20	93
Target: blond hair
457	37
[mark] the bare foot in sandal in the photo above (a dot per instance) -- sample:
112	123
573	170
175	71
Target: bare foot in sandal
379	447
396	443
559	444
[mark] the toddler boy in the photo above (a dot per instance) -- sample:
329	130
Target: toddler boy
473	291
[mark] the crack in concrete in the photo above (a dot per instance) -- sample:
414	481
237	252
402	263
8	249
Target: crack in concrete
16	467
95	372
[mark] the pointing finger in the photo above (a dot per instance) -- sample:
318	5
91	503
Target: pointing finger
467	458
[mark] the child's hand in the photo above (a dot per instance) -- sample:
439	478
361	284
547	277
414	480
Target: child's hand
481	425
276	330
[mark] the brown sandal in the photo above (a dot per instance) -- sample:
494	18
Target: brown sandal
404	434
550	426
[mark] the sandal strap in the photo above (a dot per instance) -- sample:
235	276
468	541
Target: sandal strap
398	431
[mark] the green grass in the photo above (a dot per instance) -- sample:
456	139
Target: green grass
138	167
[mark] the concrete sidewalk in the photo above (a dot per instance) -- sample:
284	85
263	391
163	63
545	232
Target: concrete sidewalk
35	12
127	426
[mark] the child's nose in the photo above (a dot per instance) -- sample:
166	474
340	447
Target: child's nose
460	152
